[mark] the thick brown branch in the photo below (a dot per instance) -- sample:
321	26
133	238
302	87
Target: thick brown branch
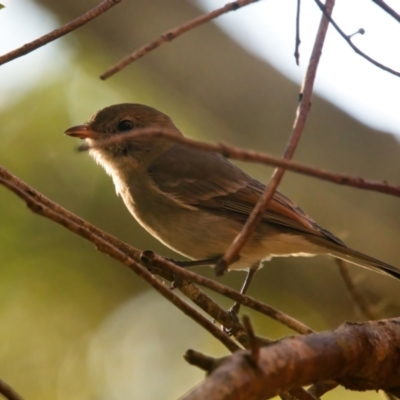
364	356
301	116
104	6
238	153
172	34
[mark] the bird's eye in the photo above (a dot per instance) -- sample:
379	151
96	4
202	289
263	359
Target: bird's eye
125	125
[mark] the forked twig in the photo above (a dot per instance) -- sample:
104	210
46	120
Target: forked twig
301	116
347	38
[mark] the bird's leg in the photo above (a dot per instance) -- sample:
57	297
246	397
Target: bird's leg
234	310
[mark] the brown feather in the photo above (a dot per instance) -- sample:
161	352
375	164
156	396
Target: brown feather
210	181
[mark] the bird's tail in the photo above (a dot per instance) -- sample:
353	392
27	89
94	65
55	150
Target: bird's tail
362	260
357	258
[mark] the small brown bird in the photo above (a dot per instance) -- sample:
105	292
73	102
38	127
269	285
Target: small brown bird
196	202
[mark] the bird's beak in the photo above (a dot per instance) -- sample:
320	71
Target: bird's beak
82	132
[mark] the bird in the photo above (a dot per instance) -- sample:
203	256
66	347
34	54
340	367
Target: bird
195	202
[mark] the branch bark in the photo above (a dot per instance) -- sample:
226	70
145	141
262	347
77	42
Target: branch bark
360	356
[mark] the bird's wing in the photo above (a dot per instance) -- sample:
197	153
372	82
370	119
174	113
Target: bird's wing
208	180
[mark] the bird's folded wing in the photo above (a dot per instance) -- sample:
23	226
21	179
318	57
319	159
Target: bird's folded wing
208	180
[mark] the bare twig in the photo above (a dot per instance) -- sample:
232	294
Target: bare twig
172	34
245	300
388	9
200	360
38	207
198	297
298	394
8	392
388	396
104	6
320	388
302	111
254	345
347	38
238	153
298	41
358	299
93	234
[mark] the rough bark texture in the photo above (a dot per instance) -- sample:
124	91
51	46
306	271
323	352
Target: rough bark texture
360	356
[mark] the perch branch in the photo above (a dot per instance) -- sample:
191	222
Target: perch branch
30	196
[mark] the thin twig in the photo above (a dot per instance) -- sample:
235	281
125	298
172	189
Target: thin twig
172	34
347	38
200	360
91	231
388	396
298	41
237	153
107	247
320	388
298	394
254	345
358	299
8	392
245	300
198	297
104	6
388	9
302	111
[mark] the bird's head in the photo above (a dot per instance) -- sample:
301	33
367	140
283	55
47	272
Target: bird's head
115	122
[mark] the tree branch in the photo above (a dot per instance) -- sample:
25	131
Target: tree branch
388	9
298	41
105	243
347	38
172	34
108	244
364	356
104	6
301	116
244	300
8	392
238	153
356	296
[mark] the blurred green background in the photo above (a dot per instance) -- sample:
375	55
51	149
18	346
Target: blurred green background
76	324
